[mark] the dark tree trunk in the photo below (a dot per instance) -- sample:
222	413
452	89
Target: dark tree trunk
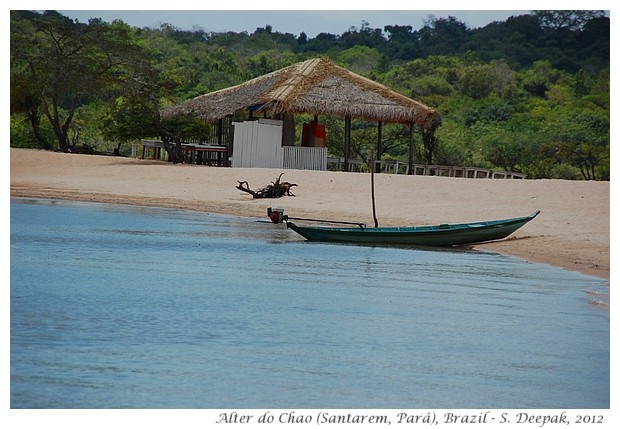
35	121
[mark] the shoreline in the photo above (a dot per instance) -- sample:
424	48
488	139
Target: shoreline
572	231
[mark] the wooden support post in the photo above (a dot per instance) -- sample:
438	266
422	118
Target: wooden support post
379	140
219	132
411	168
347	141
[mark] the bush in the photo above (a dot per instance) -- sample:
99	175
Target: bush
565	172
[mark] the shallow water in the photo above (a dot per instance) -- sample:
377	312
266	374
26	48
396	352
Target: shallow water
118	306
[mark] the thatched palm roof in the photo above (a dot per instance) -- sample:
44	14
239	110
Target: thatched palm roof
315	86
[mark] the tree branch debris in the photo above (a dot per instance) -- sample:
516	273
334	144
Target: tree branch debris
277	189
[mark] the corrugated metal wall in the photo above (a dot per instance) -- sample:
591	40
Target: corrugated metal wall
258	144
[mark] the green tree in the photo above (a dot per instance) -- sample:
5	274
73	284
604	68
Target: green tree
268	61
430	140
145	88
572	20
582	140
66	65
538	78
25	102
443	36
493	79
360	59
137	114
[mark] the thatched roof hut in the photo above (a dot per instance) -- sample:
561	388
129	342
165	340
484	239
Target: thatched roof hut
315	86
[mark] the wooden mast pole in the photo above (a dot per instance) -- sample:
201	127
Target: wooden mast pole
411	149
379	140
347	142
372	185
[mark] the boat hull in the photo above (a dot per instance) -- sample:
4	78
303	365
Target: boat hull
437	235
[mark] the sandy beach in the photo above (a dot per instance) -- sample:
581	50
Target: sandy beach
572	231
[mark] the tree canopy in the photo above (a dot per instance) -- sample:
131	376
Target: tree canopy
529	94
58	66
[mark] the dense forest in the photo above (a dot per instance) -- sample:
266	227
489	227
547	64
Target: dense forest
530	94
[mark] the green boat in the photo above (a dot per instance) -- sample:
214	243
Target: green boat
437	235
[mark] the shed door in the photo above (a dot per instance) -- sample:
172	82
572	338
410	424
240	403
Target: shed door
258	144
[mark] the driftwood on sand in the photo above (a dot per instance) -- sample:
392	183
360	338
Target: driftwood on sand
277	189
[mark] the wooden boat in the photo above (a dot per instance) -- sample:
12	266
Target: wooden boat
437	235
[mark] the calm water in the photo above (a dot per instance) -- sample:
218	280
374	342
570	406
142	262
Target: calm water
117	306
